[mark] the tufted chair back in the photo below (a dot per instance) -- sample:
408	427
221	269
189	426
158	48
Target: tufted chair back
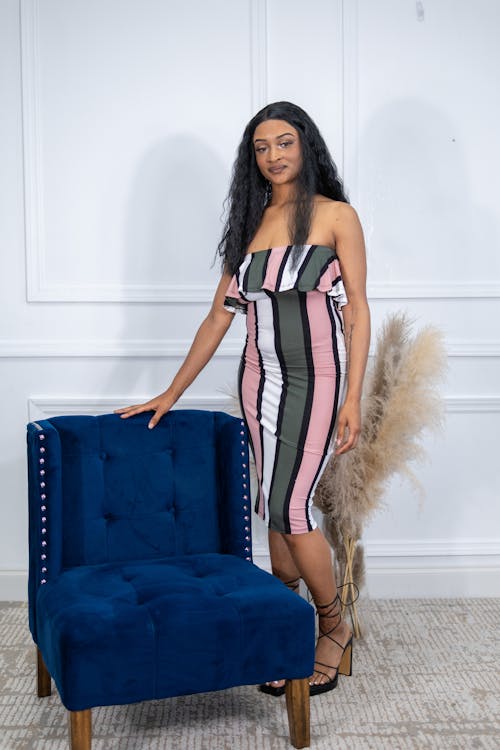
128	493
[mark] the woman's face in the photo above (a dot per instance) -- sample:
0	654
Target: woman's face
277	151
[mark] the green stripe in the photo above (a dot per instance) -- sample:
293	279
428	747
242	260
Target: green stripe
317	260
256	271
292	345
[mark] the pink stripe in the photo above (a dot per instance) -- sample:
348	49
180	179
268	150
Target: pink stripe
329	276
232	289
273	267
321	410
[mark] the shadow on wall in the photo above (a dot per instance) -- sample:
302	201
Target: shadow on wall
172	224
171	229
424	220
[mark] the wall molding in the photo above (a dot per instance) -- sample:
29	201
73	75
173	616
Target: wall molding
350	119
42	407
400	289
447	289
430	548
258	54
472	404
41	289
32	166
172	348
142	348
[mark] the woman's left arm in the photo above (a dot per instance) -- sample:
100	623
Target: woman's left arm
350	248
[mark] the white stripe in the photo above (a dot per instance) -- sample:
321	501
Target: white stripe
241	273
290	274
341	347
271	394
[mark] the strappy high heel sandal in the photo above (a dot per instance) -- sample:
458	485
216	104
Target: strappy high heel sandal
345	664
293	585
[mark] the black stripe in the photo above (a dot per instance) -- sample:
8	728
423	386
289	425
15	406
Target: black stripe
338	374
282	267
284	388
233	302
306	417
237	275
260	391
323	269
304	264
338	316
264	267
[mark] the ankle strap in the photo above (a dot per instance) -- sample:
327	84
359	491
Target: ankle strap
338	597
356	596
324	606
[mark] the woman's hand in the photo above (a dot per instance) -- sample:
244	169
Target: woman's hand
160	405
349	426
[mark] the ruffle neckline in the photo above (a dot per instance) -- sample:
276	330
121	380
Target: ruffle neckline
271	270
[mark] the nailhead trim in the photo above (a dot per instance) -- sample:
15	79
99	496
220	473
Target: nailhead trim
43	509
246	518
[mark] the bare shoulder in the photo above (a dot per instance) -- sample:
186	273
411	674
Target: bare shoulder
340	218
338	211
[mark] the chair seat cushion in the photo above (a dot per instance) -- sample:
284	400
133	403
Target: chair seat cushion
120	633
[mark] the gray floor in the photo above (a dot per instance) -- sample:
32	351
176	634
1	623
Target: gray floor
425	676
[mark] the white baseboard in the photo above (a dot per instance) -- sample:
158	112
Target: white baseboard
386	578
430	579
13	585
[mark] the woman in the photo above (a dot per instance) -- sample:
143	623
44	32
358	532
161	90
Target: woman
290	243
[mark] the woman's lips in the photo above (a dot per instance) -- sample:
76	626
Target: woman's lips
276	170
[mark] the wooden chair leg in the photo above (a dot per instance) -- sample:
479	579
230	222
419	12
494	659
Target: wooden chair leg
297	704
44	685
81	729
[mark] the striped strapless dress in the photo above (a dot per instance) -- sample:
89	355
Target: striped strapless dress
291	376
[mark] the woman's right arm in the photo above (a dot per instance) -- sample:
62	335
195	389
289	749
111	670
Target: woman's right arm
207	339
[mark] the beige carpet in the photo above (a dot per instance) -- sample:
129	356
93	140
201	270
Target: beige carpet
425	676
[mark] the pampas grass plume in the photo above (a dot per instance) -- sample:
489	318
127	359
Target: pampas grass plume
401	401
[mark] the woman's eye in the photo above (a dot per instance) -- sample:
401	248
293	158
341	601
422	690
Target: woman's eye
286	143
260	149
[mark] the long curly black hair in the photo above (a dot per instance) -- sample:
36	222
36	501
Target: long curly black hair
249	191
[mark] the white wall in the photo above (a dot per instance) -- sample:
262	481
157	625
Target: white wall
118	126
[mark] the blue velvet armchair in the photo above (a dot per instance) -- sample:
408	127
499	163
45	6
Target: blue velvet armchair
141	581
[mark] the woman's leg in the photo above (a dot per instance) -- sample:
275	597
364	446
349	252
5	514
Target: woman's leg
311	555
282	563
284	568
